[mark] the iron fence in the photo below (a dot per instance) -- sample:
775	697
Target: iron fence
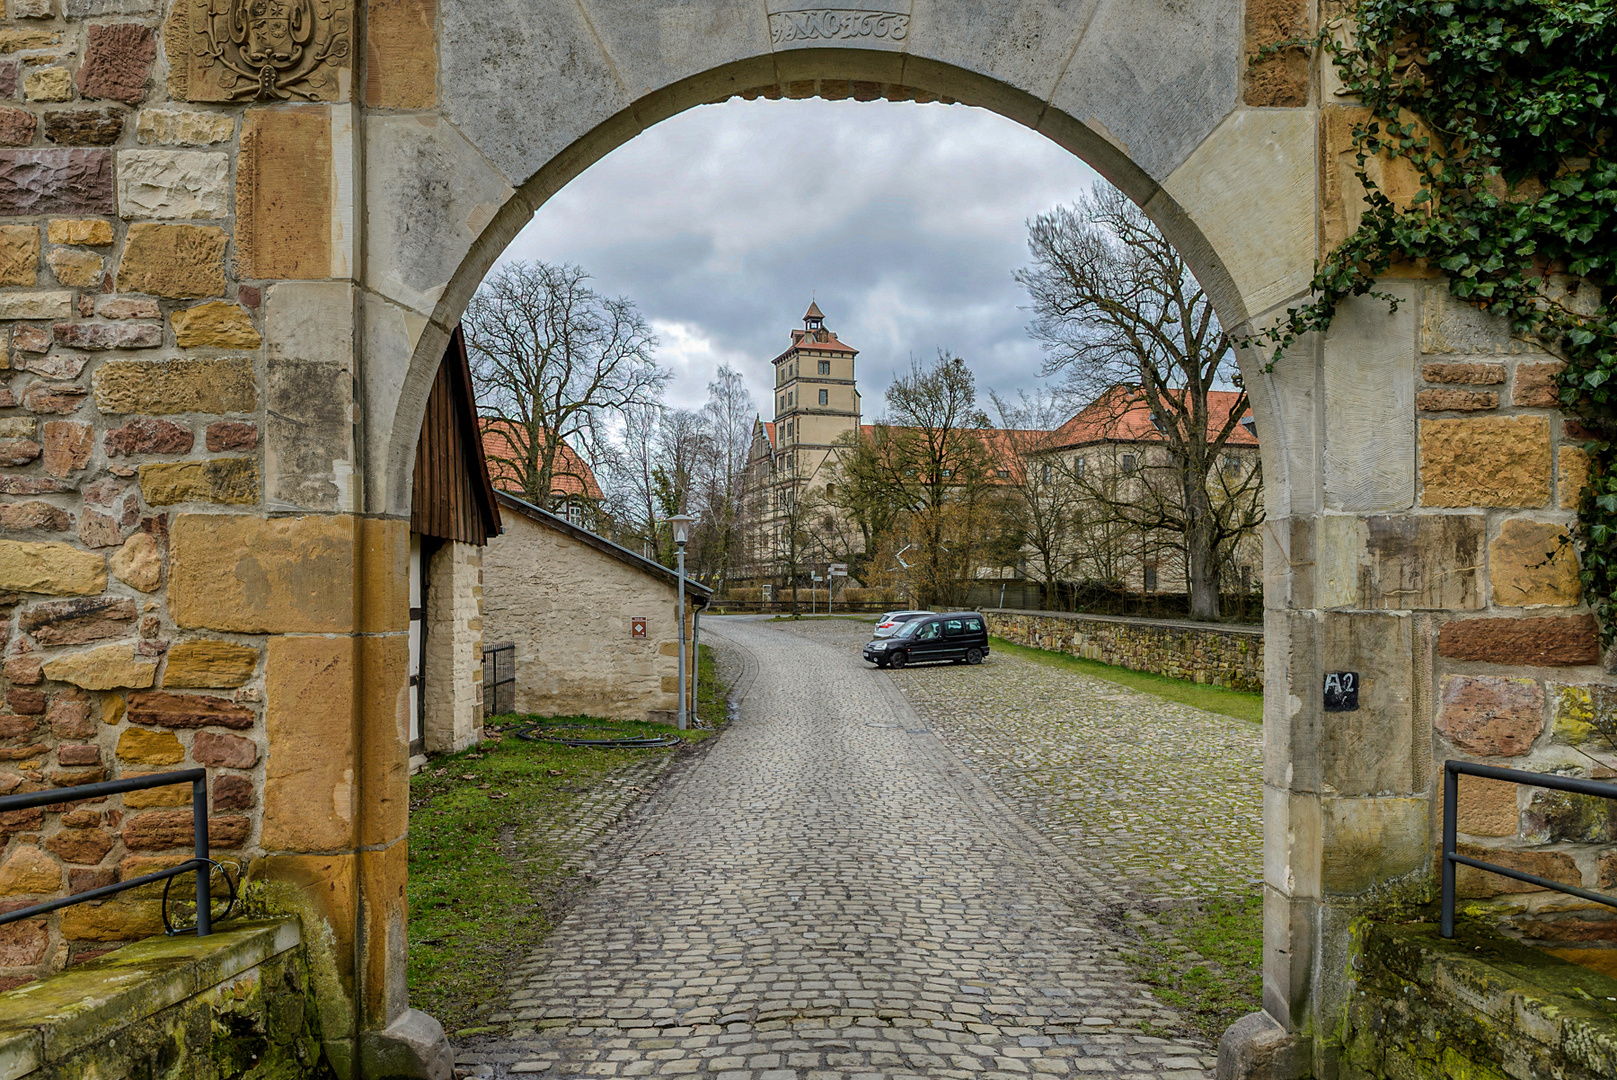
201	864
499	679
1452	771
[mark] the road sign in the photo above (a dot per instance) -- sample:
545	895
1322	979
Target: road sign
837	569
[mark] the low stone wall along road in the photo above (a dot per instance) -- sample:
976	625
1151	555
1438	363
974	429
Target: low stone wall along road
829	892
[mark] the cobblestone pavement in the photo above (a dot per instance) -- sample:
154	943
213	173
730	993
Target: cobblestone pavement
586	826
827	893
1164	798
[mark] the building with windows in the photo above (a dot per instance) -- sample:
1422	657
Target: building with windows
1109	468
816	404
1113	462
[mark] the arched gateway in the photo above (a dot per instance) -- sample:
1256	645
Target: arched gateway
236	234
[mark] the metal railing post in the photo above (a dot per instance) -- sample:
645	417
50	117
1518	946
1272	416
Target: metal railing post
200	864
1451	807
199	828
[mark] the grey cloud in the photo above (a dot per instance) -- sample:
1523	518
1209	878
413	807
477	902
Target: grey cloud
904	221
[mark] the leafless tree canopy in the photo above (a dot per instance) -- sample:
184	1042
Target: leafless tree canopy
666	461
1044	514
555	363
924	476
1122	319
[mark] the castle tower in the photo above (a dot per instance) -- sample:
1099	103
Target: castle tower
816	399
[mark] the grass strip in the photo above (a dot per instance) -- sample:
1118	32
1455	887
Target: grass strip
487	879
1227	933
1240	704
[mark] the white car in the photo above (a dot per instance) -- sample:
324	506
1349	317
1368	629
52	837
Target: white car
889	623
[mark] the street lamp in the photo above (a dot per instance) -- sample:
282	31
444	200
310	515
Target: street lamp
681	524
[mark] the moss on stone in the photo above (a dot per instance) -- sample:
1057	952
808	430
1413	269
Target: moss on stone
1459	1009
236	1004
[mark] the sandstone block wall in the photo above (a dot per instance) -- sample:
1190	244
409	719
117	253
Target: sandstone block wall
182	577
568	608
1517	678
1229	656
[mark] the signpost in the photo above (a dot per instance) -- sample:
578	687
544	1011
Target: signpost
832	572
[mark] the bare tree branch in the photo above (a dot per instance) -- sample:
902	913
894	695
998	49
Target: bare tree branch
554	362
1123	319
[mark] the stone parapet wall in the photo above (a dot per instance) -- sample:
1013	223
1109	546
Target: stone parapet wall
1217	655
1478	1005
241	1000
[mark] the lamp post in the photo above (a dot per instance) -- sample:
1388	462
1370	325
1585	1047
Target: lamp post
682	529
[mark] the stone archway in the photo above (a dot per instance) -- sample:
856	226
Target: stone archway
290	239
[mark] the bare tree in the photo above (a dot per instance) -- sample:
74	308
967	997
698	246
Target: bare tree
1119	312
940	467
1042	507
862	497
554	362
682	449
629	480
721	482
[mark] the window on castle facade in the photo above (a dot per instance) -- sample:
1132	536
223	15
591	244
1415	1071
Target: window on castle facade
825	367
825	397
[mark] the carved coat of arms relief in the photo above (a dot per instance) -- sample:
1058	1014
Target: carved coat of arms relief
260	50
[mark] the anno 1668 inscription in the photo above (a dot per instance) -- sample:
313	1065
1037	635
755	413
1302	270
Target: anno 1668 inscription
837	24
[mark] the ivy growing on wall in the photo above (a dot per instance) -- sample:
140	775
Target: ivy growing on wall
1506	113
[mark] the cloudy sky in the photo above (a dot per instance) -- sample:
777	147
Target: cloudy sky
905	222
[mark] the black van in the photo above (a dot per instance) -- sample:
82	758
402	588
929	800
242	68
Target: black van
960	636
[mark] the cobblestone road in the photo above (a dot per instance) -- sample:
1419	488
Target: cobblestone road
829	894
1161	797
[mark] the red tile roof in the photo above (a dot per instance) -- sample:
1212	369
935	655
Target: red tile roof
1122	415
571	475
814	341
1111	418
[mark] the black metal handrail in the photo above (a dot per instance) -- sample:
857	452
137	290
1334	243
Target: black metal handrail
197	778
1452	771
